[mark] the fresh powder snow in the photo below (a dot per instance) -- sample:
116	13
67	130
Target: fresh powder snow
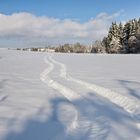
54	96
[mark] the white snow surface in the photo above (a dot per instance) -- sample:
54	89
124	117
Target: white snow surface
54	96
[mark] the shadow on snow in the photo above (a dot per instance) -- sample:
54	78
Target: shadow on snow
102	114
133	91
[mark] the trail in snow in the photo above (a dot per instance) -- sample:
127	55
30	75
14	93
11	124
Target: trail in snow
80	126
129	104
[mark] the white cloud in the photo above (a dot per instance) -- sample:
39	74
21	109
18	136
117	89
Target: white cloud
53	30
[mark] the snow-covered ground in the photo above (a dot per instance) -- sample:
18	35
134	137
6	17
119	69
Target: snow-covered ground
69	96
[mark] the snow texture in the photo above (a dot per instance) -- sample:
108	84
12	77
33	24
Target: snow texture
53	96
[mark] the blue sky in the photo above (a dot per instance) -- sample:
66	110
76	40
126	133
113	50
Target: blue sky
74	9
83	15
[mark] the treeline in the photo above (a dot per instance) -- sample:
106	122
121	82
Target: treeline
73	48
120	39
40	49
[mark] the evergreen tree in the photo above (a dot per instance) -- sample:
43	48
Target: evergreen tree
133	27
138	27
126	33
123	39
114	41
120	31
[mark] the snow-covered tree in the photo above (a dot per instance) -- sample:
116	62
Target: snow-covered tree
114	41
98	47
123	39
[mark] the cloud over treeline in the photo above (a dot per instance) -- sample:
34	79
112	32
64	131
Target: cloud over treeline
28	26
